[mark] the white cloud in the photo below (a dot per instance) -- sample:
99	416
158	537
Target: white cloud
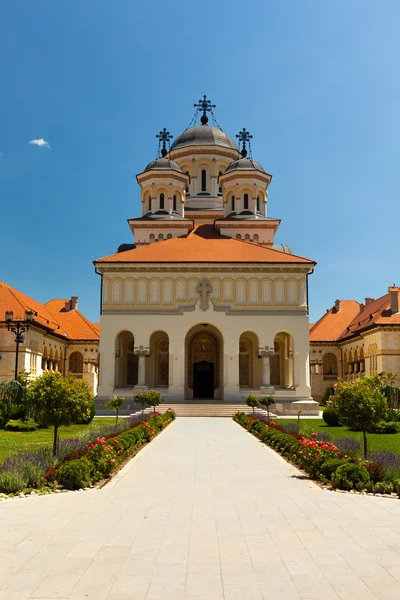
40	142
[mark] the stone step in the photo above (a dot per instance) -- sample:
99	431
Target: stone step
205	409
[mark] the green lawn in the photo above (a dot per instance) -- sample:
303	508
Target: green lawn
375	441
13	441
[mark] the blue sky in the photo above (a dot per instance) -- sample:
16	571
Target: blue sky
316	83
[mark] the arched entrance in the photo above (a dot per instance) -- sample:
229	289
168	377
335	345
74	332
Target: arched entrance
203	364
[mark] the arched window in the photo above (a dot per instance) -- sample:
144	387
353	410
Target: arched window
149	203
233	203
220	188
246	202
161	201
330	364
187	189
258	203
203	180
174	203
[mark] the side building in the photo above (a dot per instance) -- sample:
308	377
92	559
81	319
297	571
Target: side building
57	337
354	339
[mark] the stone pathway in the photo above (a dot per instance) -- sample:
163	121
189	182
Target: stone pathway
204	512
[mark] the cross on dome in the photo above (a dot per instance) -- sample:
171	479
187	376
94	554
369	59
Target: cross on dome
164	138
206	106
244	139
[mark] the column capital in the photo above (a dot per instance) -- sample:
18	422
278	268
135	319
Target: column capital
265	351
142	350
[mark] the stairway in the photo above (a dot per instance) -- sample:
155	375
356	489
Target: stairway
204	408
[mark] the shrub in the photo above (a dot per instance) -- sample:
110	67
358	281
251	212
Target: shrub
11	482
74	474
19	425
50	474
389	461
324	437
383	487
375	471
32	474
329	466
327	395
331	417
348	445
349	476
386	427
396	486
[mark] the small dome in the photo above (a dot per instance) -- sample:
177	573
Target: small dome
244	164
203	135
163	163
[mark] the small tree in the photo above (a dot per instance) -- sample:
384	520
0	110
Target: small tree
360	405
253	402
154	398
115	403
267	401
141	399
57	401
12	396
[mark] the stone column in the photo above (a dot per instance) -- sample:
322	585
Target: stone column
254	200
141	352
170	204
266	389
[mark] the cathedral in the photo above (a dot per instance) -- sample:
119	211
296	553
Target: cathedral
204	304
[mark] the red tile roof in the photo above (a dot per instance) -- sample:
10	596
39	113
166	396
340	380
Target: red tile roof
353	318
70	324
333	322
203	244
76	326
377	312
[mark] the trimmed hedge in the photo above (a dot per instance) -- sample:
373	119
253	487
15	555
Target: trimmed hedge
321	460
103	456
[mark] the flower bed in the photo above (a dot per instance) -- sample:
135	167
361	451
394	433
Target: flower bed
323	461
81	461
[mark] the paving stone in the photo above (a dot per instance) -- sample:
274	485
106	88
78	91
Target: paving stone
203	512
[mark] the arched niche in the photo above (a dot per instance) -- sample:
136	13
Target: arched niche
75	364
126	361
157	371
250	367
281	362
330	364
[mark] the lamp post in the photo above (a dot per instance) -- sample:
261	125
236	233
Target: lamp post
18	327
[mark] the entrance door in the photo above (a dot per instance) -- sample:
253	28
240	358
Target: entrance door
203	379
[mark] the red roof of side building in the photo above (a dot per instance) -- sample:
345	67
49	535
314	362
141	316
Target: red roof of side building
377	312
333	322
76	326
70	324
203	244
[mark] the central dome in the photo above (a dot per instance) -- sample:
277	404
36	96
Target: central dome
203	135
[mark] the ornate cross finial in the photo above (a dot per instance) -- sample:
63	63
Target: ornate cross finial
206	106
164	138
244	139
204	289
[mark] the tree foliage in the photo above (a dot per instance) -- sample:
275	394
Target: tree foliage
267	401
360	404
57	401
154	398
253	402
115	403
12	395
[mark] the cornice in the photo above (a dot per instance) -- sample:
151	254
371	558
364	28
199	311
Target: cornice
215	151
106	267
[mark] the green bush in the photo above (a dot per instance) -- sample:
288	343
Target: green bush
396	487
386	427
331	417
89	418
350	476
74	474
329	466
383	487
328	393
11	482
32	475
19	425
